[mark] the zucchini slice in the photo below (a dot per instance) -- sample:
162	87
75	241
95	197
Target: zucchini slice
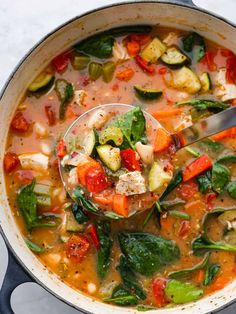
71	224
110	156
205	81
174	57
153	51
147	93
184	79
90	143
157	177
42	82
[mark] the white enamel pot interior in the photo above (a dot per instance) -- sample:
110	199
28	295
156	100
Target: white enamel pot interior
163	13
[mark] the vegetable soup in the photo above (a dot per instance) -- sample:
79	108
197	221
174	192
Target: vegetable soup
181	244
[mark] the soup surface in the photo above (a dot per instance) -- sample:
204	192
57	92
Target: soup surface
181	246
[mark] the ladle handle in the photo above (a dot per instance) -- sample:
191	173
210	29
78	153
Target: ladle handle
205	128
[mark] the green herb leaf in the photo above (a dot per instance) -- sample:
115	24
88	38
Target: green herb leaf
220	177
180	292
227	159
177	179
81	200
34	247
99	46
65	92
79	214
104	252
122	296
129	279
231	188
133	126
147	253
204	182
204	104
194	42
212	145
189	271
211	272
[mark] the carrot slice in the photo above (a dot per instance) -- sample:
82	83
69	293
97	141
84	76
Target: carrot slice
102	200
120	205
199	276
224	134
198	166
83	169
166	113
162	140
219	283
125	75
133	48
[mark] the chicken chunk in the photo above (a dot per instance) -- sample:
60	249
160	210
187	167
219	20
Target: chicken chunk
224	90
34	161
131	183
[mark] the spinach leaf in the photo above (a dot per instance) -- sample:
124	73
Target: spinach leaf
212	145
27	202
211	272
34	247
220	177
194	41
204	104
104	252
203	243
227	159
65	92
79	214
147	253
231	188
81	200
129	278
122	296
99	46
189	271
177	179
122	30
133	127
204	182
180	292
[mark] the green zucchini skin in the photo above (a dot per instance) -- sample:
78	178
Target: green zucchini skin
147	93
43	88
174	58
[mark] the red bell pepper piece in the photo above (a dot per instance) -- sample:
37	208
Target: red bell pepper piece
96	179
230	74
11	161
60	62
184	229
94	235
133	48
158	288
142	39
19	123
198	166
209	199
50	114
145	65
209	60
129	160
162	70
61	148
77	247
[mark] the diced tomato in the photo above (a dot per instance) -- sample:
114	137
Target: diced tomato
184	228
11	161
209	60
129	160
142	39
60	63
187	190
77	247
23	176
198	166
94	235
120	205
226	52
19	123
125	75
162	70
50	114
83	169
133	48
145	65
158	288
209	199
230	74
61	149
96	179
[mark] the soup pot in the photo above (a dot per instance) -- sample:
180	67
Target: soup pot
23	265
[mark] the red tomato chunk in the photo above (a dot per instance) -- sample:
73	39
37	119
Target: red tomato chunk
77	247
19	123
11	161
129	160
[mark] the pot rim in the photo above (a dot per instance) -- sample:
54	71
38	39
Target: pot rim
28	54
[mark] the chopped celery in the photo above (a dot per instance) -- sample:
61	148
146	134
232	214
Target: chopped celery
42	189
80	62
108	70
44	200
95	70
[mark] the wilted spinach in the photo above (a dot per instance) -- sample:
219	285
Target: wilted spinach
211	272
122	296
177	179
79	214
129	278
204	182
231	188
194	42
212	145
205	104
104	251
81	200
227	159
65	92
220	177
147	253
